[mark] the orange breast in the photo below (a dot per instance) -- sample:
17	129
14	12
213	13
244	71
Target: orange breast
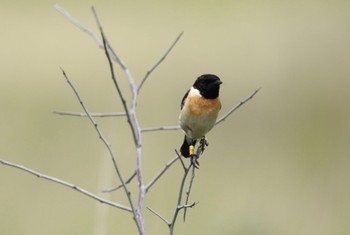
200	106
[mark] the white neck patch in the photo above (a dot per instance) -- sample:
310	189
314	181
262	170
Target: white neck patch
195	91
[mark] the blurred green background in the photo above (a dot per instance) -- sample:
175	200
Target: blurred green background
279	165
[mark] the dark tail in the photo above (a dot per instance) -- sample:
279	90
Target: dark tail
185	148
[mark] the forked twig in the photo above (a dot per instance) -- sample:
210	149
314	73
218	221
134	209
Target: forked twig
180	158
133	123
179	205
104	140
108	49
79	25
130	113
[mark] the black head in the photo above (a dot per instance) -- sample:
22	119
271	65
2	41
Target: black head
208	85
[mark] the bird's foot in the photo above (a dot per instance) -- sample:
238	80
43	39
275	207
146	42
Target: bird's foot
202	144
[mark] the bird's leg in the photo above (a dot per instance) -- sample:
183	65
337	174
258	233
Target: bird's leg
191	149
193	155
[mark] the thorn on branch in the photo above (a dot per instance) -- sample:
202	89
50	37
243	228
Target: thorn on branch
187	206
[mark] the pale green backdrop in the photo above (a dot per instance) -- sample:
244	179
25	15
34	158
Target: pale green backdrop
278	166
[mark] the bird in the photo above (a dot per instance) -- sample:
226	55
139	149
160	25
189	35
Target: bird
199	110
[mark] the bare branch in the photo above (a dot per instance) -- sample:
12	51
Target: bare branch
78	24
179	206
108	52
104	140
85	29
161	217
121	185
115	81
130	113
162	128
171	224
159	61
188	192
133	123
113	55
237	106
65	183
76	114
156	178
179	157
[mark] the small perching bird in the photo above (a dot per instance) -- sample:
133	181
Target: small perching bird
199	110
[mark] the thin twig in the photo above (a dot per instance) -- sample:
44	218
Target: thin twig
188	192
162	128
179	157
159	61
108	51
199	151
84	29
159	216
120	185
76	114
78	24
165	168
104	140
116	84
133	123
130	113
179	206
65	183
237	106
